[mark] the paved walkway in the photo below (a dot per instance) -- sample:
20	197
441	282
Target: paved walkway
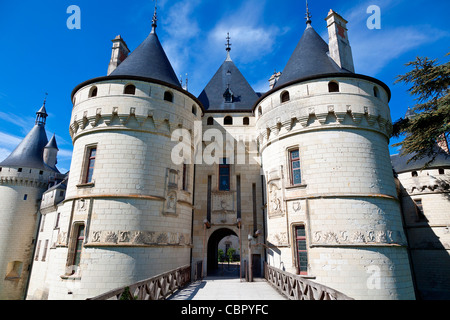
222	288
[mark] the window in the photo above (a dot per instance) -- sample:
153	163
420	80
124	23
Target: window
259	111
285	97
45	250
228	95
130	89
36	257
376	92
414	174
441	171
194	110
185	172
419	209
302	255
93	92
210	121
246	121
58	215
333	86
19	170
25	197
294	162
228	120
168	96
78	247
90	163
42	222
224	176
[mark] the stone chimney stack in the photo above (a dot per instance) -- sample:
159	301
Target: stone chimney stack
274	79
119	53
340	50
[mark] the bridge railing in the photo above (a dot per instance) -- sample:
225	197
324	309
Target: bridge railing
295	287
156	288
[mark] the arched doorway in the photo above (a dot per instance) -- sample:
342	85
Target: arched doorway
213	254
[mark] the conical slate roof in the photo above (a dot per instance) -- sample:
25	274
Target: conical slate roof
228	80
30	151
52	143
148	61
310	58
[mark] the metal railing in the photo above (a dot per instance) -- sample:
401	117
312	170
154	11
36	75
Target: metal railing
156	288
295	287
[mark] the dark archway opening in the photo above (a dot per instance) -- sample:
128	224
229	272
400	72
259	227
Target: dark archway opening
223	268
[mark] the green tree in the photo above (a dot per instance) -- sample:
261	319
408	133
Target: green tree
230	254
429	120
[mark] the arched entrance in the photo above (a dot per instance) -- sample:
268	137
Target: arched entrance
213	255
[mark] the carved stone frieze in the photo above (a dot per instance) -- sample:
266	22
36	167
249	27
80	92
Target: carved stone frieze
358	237
139	238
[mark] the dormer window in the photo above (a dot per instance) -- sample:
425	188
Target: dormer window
228	95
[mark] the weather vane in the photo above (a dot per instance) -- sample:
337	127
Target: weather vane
228	44
154	19
308	15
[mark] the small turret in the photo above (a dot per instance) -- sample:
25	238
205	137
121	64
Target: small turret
51	152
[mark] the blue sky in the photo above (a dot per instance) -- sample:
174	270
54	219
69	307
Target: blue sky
41	55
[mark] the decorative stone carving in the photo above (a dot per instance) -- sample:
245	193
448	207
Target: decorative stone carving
358	237
222	201
138	238
171	203
111	237
296	206
275	201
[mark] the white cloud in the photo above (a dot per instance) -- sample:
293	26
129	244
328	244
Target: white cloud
65	154
9	141
375	49
4	153
25	123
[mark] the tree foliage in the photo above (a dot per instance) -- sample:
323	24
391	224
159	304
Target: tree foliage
429	120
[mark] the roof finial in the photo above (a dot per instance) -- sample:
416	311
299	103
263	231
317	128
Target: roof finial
308	15
228	44
41	115
154	19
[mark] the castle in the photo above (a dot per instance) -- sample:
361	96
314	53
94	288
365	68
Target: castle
302	173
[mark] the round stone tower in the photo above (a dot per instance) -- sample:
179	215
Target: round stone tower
128	208
332	210
24	176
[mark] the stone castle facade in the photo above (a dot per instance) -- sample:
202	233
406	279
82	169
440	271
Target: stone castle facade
301	173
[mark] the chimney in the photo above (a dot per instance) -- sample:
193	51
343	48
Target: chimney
119	53
339	46
443	143
274	79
